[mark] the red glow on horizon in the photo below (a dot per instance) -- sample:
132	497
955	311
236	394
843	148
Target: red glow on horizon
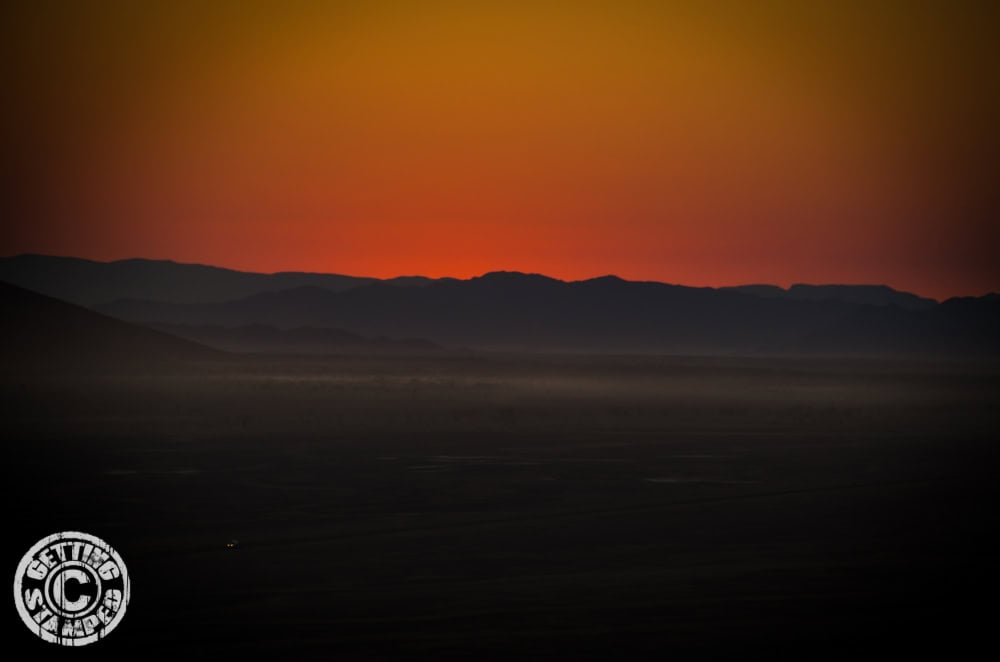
678	145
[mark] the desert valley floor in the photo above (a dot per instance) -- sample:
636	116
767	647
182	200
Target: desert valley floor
476	505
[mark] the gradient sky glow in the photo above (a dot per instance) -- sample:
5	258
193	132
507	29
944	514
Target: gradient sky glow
701	143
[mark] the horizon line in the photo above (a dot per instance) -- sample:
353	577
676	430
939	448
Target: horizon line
785	288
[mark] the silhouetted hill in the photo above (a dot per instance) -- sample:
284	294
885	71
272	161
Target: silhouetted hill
874	295
507	310
87	282
510	310
259	338
44	335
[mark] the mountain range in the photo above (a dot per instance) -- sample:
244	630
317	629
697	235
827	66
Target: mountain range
516	311
87	282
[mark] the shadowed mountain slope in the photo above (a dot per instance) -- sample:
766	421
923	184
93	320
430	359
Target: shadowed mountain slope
45	335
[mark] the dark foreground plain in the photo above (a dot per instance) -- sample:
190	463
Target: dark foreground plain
476	506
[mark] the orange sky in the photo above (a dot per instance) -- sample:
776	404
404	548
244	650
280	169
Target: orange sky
782	143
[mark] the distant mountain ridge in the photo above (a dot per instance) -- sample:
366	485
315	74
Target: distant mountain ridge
874	295
511	310
519	311
87	282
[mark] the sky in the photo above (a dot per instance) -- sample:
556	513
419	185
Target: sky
693	143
